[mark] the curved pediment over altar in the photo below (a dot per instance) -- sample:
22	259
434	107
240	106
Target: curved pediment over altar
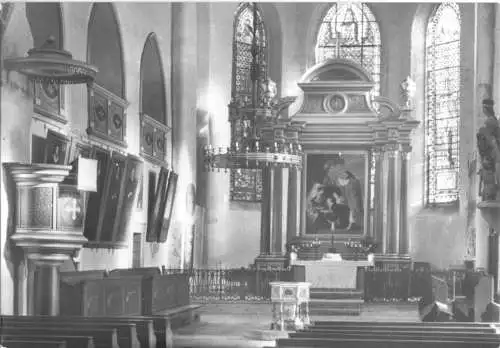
336	104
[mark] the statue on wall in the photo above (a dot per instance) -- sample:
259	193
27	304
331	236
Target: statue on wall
488	144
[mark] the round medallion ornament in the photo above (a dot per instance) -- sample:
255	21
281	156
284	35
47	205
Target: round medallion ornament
100	112
117	121
160	144
149	139
335	103
50	88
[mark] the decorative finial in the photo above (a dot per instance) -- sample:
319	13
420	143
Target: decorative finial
408	89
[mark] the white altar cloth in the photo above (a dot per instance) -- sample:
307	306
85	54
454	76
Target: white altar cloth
332	273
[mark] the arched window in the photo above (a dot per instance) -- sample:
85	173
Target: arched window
442	114
350	31
107	95
155	136
246	185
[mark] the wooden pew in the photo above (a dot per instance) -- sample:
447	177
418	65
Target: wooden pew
381	343
398	335
24	343
392	335
127	333
71	341
150	330
103	337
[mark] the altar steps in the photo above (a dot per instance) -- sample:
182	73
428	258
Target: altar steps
330	302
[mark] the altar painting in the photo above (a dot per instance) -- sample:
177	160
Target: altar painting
336	193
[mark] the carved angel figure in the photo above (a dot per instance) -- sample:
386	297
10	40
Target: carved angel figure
268	93
488	144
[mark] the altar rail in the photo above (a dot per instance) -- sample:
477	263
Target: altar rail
403	284
231	285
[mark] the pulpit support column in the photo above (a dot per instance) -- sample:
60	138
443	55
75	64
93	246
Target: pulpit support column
47	289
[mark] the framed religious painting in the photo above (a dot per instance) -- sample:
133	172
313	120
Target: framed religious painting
335	191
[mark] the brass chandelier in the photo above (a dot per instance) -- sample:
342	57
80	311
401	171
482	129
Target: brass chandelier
259	137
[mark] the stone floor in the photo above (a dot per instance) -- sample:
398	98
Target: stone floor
246	325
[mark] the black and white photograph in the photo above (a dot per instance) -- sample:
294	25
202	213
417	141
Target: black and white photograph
274	173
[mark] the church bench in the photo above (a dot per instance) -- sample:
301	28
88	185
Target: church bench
127	333
144	326
405	329
381	343
399	323
150	329
103	337
23	343
71	341
399	335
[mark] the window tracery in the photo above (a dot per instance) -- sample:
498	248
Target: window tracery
246	185
350	31
442	116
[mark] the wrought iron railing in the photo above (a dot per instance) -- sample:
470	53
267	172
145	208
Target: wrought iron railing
232	285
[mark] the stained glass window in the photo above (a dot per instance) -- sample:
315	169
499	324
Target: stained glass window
246	185
442	117
350	31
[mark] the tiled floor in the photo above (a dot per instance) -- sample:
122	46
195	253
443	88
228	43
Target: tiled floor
246	325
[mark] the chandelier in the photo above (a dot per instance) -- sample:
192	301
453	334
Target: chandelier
259	137
48	64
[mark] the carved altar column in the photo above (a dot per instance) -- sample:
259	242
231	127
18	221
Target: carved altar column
378	199
293	209
391	199
404	240
49	227
392	135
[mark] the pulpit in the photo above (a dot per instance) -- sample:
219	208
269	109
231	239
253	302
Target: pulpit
49	226
290	305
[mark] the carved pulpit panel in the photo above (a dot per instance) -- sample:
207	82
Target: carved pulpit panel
48	100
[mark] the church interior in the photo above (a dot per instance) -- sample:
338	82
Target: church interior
318	173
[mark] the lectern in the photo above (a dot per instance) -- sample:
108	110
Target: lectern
49	226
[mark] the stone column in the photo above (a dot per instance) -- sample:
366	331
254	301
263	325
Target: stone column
184	98
293	211
378	223
404	239
391	200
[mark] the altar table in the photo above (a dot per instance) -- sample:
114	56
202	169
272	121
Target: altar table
332	273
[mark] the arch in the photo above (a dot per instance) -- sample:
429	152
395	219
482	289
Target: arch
442	104
45	19
345	68
152	99
105	49
338	30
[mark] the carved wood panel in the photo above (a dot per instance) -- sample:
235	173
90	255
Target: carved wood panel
154	140
107	118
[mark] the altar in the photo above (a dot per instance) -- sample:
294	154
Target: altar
332	273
